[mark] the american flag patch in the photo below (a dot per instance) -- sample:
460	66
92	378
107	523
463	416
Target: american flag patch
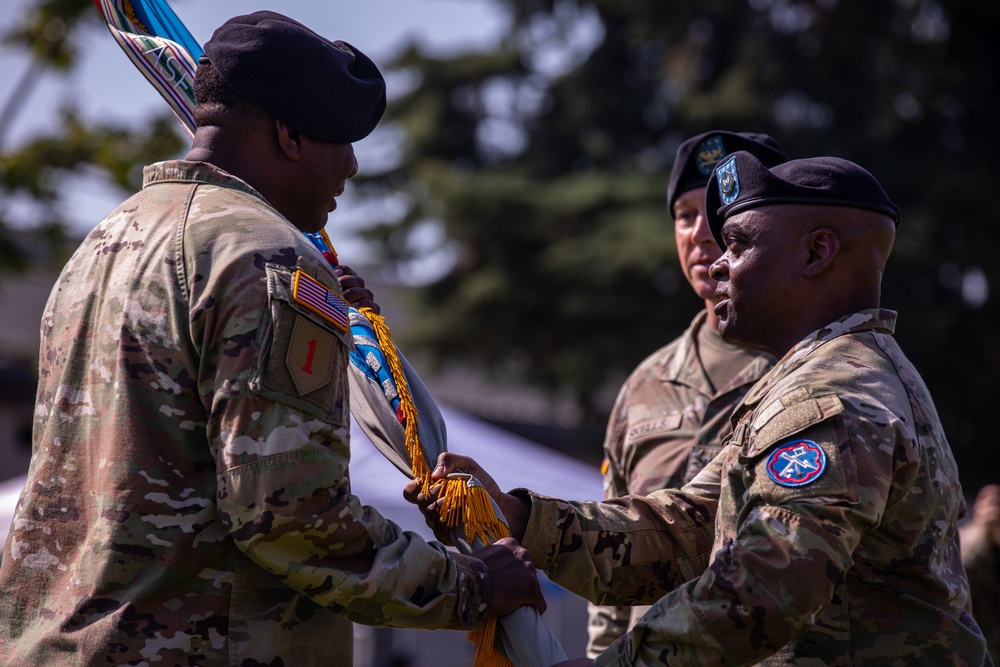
313	295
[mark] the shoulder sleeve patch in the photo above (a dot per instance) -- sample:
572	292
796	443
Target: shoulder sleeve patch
310	355
796	463
816	463
301	357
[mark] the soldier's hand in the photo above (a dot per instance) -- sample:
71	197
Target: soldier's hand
428	507
513	580
355	292
515	510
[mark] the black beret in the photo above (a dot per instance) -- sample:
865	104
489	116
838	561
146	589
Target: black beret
743	182
697	157
329	91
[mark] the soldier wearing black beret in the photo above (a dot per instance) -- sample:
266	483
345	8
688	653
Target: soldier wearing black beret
190	498
826	531
743	181
672	413
263	70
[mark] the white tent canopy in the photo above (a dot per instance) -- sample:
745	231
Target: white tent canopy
9	491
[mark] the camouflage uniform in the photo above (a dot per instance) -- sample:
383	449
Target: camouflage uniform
858	566
666	425
189	501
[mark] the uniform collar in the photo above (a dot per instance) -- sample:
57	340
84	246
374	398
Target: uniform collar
875	319
183	171
685	368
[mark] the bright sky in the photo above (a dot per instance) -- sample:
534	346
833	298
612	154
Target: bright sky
107	85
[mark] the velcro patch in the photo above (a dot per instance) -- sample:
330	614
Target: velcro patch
669	423
310	355
798	463
312	294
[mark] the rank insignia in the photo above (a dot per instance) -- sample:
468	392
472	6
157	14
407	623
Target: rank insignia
312	294
796	464
729	181
708	154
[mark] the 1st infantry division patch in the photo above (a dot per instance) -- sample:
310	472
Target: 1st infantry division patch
310	355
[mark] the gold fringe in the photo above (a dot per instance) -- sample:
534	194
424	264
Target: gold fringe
469	505
418	464
484	638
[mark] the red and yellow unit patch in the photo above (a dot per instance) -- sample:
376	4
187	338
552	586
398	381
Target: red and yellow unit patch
312	294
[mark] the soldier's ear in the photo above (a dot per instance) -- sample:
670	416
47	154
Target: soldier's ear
289	140
822	247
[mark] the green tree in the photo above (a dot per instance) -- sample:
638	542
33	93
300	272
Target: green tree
541	167
51	31
533	175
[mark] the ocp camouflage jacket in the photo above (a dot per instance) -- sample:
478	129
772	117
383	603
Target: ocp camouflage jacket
189	500
823	534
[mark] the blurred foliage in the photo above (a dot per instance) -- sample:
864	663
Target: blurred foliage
541	167
50	32
533	174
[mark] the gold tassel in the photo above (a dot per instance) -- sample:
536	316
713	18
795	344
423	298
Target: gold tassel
483	638
470	505
407	410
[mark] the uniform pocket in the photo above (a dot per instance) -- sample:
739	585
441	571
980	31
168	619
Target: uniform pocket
787	420
303	354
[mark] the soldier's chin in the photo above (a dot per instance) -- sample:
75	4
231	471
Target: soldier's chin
721	310
725	332
726	329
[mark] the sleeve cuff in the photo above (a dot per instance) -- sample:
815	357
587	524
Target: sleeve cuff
472	590
538	536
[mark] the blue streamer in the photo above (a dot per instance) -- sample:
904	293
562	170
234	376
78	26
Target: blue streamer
161	21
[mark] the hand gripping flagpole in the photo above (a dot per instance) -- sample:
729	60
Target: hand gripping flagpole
393	396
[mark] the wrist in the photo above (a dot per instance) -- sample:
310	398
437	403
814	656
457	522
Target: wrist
516	510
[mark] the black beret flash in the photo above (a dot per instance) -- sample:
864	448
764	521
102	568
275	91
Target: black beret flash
696	158
743	182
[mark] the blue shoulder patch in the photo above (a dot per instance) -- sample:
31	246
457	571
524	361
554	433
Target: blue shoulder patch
796	464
